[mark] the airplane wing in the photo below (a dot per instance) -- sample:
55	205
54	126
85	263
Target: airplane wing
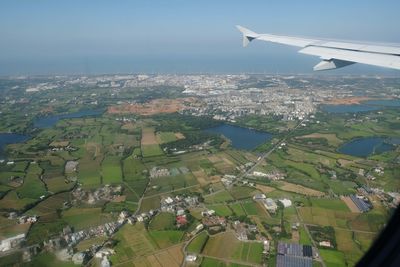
334	54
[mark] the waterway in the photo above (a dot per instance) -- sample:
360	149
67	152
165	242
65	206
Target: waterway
240	137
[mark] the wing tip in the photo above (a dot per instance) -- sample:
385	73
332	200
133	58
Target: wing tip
248	35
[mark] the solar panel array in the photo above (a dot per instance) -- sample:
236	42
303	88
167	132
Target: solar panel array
294	255
361	204
293	261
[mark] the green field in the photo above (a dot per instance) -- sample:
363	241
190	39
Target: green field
332	258
120	206
209	262
166	137
151	151
133	169
165	239
133	242
222	196
221	210
242	192
251	208
227	246
111	170
237	209
82	218
334	204
162	221
198	243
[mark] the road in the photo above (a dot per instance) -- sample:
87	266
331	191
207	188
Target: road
309	235
265	155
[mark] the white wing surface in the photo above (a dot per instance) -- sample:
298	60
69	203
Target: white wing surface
334	54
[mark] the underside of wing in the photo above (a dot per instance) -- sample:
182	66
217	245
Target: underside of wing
343	56
334	54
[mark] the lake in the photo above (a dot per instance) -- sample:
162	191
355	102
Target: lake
348	108
363	147
50	121
241	138
10	138
370	105
384	103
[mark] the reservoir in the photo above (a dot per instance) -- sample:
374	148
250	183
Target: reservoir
50	121
364	147
348	108
370	105
10	138
241	138
384	103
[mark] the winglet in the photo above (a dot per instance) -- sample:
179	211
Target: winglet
248	35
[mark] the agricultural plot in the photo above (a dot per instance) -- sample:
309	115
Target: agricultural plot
137	188
170	183
111	170
243	192
237	209
334	204
331	138
166	137
222	196
134	242
221	210
150	203
167	238
170	257
299	189
44	229
82	218
50	204
58	184
11	201
227	246
89	170
32	187
333	258
198	243
149	144
151	151
117	207
210	262
163	221
251	208
133	169
9	229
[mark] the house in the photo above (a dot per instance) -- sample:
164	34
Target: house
191	258
208	213
259	197
325	244
286	202
181	220
270	205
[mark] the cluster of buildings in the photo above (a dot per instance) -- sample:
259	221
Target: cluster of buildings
270	204
178	204
157	172
244	230
275	175
105	193
11	242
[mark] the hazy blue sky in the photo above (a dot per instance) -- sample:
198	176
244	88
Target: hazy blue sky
40	37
